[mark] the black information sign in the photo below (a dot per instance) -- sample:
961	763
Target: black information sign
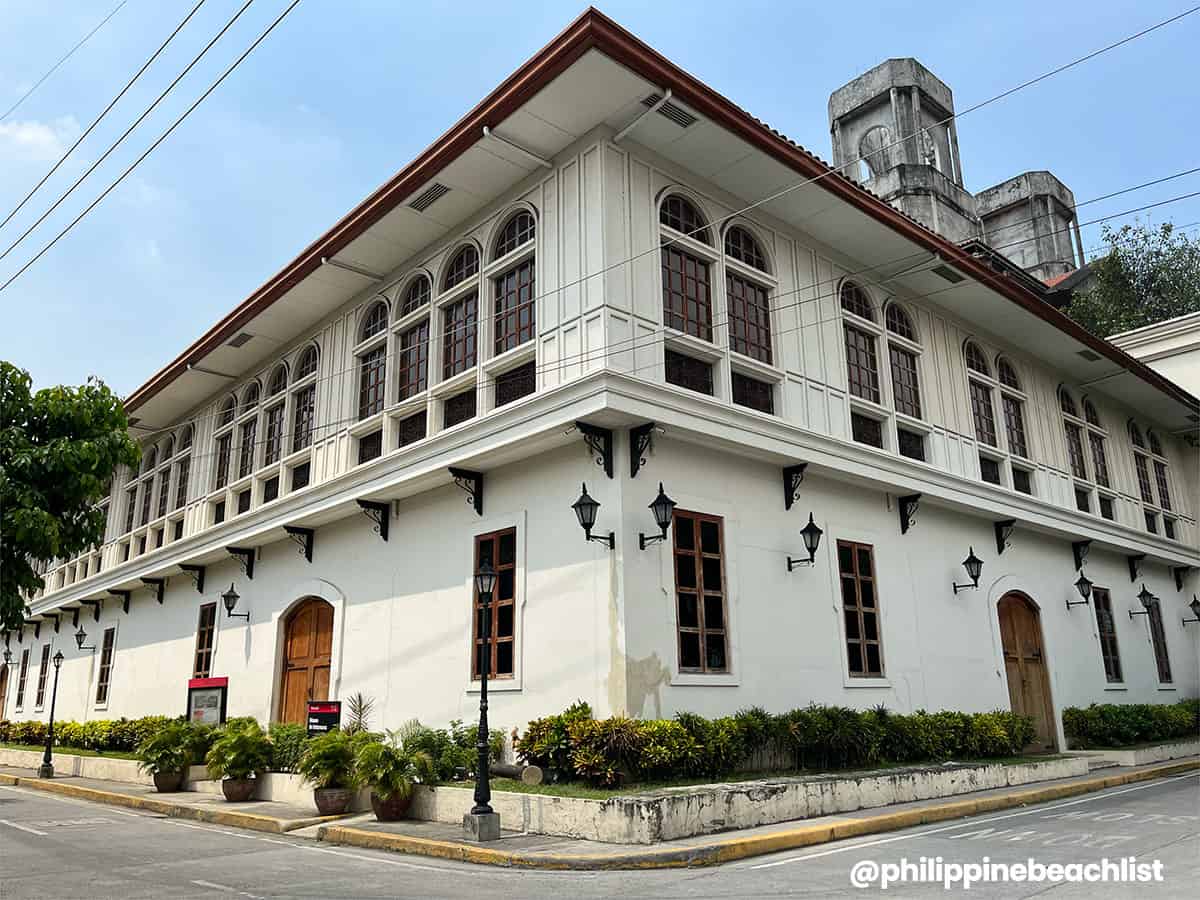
323	716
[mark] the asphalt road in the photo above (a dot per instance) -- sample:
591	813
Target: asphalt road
53	847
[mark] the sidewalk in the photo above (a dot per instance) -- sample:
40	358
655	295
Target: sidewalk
537	851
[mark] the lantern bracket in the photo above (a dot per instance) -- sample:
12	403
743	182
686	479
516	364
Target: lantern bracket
1079	550
124	595
641	442
303	538
599	443
196	573
1004	529
1135	566
793	477
245	558
379	513
472	483
159	585
908	506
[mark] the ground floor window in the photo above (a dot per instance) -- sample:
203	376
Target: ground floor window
43	671
701	619
205	632
22	677
860	609
104	679
1107	630
499	549
1159	638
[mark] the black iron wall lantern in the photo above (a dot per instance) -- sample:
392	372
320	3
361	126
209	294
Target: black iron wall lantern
7	657
586	508
230	599
1194	606
1147	600
1084	586
974	566
811	534
663	508
80	637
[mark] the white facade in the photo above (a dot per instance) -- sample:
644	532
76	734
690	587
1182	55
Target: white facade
604	625
1171	347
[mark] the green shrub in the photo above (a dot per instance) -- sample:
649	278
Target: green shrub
328	760
389	766
288	742
546	741
167	750
1119	725
450	751
240	750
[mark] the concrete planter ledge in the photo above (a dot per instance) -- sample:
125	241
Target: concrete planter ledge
1140	756
675	813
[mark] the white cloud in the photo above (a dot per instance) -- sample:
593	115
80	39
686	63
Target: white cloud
32	140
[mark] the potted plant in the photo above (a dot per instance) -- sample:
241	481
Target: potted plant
328	765
391	770
240	751
166	755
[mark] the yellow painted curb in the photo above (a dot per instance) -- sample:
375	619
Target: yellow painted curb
734	848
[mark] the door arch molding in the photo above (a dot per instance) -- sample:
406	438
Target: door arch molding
313	588
1025	660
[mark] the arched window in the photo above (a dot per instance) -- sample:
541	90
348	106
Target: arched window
186	434
464	265
1007	375
1156	461
518	231
250	397
1012	402
898	322
1155	444
1096	437
183	467
1067	403
1090	414
680	214
417	295
749	312
1135	435
273	417
975	359
224	445
741	245
862	363
902	357
855	300
149	459
168	448
873	151
374	322
248	431
1073	428
307	363
982	410
278	382
228	410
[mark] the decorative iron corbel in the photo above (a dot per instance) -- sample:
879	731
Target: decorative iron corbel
793	476
1079	550
908	505
1004	529
641	442
472	483
600	445
75	617
245	557
159	585
1180	573
379	513
53	616
196	573
1135	566
95	605
37	628
124	595
303	538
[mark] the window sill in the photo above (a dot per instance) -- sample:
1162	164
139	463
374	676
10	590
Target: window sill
406	407
866	682
298	456
510	359
454	384
408	320
755	368
371	423
1116	687
699	679
503	686
870	409
689	345
911	424
1167	687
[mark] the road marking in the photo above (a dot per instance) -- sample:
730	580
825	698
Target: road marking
227	889
22	827
43	795
964	824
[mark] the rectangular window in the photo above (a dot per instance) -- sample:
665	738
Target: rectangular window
243	501
1099	459
104	679
22	677
43	672
514	307
219	512
130	508
205	633
686	372
246	451
866	430
371	369
141	543
1083	500
860	610
1151	523
1106	508
1075	451
164	491
224	449
459	324
862	368
412	429
1107	630
687	294
459	408
500	550
370	446
1143	477
414	360
158	538
1159	638
1014	425
274	446
516	383
271	489
178	530
300	476
147	497
981	411
700	593
303	417
183	470
752	393
989	470
1160	476
911	444
749	319
1169	528
905	385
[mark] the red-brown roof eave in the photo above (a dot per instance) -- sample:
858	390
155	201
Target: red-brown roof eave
590	30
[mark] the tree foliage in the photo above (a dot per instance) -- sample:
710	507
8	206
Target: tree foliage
1149	275
59	448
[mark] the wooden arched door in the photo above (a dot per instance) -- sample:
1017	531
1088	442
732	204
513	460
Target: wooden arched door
1026	667
307	644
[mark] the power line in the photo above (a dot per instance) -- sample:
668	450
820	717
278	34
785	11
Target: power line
160	139
92	168
104	112
54	67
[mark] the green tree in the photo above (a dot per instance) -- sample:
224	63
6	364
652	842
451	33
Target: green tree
59	448
1149	275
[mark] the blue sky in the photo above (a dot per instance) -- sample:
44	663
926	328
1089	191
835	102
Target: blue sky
345	93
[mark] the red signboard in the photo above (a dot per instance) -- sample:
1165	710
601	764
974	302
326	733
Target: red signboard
323	716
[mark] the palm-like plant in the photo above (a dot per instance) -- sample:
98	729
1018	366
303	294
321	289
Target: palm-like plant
167	751
239	752
389	768
328	760
358	708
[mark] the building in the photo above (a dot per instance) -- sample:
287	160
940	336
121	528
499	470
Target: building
1171	348
562	290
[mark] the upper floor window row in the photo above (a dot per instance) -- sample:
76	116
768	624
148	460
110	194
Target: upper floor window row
1153	476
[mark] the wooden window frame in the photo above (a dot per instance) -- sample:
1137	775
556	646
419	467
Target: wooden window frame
206	640
1158	640
862	641
689	312
460	352
43	675
496	603
514	307
304	415
862	364
983	413
700	590
224	453
413	360
372	381
1014	424
104	672
273	449
906	380
183	473
749	316
1106	631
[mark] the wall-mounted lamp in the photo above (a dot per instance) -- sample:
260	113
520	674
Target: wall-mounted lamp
1147	600
974	566
1084	586
812	540
585	510
663	508
230	599
7	657
80	637
1194	606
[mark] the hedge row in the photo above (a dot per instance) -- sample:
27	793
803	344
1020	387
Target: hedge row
608	751
1113	725
101	735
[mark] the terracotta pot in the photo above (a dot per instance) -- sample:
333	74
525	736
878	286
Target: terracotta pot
238	790
332	801
168	782
391	809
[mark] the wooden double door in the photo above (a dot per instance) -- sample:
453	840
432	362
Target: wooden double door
1025	666
307	646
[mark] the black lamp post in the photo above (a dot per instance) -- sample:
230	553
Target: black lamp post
1147	600
811	533
80	637
663	508
46	770
1084	586
485	585
1194	606
230	599
974	566
586	508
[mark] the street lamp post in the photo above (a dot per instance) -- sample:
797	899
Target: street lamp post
47	768
482	823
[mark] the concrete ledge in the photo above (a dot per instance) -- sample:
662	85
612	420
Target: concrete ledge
105	768
1142	756
736	847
